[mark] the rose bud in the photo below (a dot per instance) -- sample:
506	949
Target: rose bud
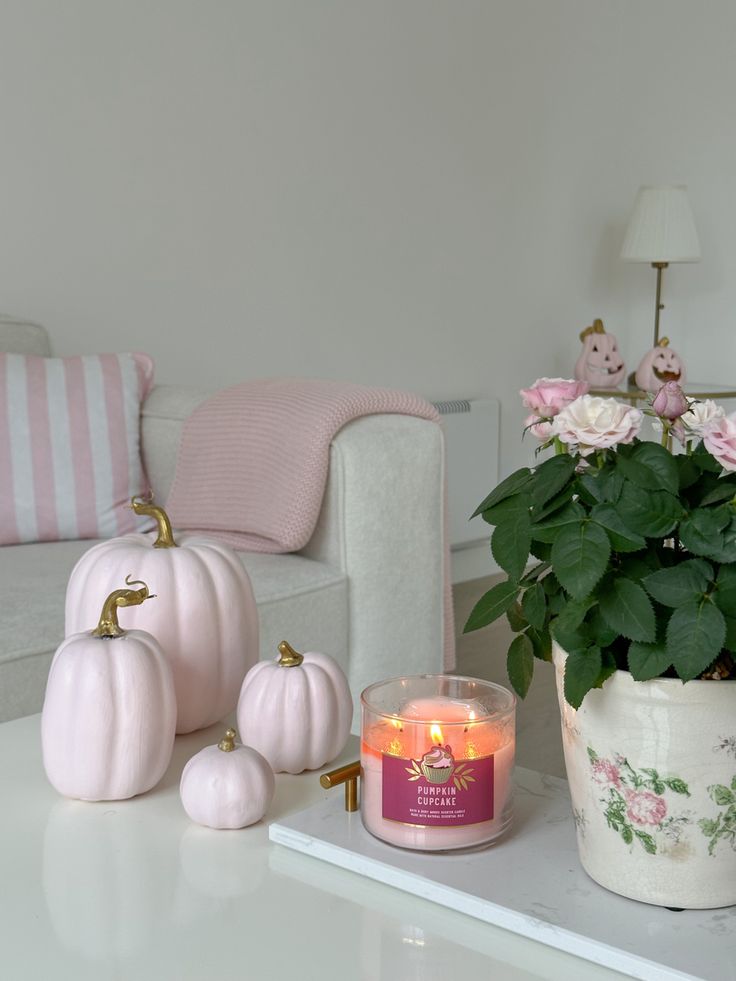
670	402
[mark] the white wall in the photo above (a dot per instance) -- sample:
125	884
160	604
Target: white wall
417	193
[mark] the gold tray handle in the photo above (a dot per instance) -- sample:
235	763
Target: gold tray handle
349	775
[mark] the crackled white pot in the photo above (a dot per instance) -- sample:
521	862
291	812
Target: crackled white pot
652	774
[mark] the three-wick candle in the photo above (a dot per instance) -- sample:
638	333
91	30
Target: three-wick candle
437	759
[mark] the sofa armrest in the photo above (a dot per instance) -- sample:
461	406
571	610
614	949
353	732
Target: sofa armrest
382	524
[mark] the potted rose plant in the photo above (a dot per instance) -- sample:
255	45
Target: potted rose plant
632	592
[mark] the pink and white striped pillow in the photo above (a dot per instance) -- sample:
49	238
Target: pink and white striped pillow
70	445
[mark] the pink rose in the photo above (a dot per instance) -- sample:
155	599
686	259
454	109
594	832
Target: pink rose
719	437
593	423
643	807
605	772
541	428
670	402
548	395
700	415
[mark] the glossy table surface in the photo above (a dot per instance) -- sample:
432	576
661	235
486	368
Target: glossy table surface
134	890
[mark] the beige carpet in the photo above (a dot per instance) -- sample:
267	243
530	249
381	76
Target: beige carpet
482	654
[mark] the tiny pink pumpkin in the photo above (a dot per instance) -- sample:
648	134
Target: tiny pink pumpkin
109	715
206	619
227	786
296	710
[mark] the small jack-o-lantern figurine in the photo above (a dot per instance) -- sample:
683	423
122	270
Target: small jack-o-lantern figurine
660	365
600	364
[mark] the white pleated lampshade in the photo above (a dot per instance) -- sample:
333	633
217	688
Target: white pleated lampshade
662	228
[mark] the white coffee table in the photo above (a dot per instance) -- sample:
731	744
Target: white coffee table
133	890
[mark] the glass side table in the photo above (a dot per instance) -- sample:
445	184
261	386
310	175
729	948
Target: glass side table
693	390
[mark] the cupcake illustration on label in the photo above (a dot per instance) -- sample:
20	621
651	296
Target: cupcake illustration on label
437	764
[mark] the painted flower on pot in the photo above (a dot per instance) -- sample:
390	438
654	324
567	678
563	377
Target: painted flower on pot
635	546
644	807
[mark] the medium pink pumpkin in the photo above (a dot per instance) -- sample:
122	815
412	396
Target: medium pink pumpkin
109	715
206	619
296	710
660	365
599	363
227	786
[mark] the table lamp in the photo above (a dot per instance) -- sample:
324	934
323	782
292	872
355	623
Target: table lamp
661	231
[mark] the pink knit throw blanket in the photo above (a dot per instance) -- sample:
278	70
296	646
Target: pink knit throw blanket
253	461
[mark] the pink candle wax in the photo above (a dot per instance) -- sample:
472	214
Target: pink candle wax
437	771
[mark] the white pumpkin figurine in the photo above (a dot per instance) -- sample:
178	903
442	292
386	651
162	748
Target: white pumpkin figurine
206	619
227	786
660	365
109	715
599	363
296	710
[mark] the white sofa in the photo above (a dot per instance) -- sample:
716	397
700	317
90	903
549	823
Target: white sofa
367	589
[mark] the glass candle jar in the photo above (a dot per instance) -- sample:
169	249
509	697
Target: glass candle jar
437	760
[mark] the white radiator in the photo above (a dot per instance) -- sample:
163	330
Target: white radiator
471	442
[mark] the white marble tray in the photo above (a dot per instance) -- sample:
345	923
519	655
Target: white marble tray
531	883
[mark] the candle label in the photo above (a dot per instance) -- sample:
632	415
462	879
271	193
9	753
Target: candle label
437	791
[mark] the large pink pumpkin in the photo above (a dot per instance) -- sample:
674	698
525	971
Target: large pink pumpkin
660	365
599	363
205	619
296	710
109	715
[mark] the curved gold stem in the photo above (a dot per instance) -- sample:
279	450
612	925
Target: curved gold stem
165	534
108	625
227	743
289	657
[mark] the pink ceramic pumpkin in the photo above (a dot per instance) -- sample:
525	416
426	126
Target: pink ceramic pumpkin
660	365
227	786
205	620
599	363
296	710
109	716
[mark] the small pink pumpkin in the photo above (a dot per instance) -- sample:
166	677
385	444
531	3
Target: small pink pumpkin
109	715
296	710
660	365
205	620
227	786
599	363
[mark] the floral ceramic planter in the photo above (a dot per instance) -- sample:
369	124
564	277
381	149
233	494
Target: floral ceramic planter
652	773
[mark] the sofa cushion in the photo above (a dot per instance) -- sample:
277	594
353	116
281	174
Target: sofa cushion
70	445
299	599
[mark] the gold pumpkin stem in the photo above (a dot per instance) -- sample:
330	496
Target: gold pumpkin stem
165	534
227	743
108	625
289	657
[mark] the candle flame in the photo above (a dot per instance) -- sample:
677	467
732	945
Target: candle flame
436	734
395	723
471	716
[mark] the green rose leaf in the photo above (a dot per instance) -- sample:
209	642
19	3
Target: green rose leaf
546	531
581	673
725	594
580	555
508	509
541	642
534	606
704	461
724	490
658	461
622	539
652	513
492	605
542	511
627	609
572	615
687	581
551	476
534	574
640	474
730	642
647	661
695	635
687	470
701	531
516	618
520	664
604	486
517	481
511	542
